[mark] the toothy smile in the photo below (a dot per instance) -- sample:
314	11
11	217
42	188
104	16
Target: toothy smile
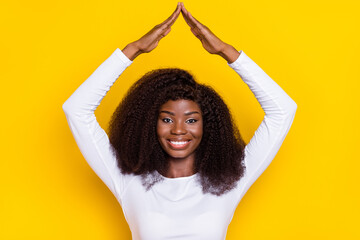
178	144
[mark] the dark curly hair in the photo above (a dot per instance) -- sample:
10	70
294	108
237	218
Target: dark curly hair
219	159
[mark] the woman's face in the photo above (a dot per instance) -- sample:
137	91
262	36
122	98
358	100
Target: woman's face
180	128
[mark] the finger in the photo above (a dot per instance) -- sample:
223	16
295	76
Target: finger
170	20
187	20
166	32
185	16
196	33
175	15
191	21
183	8
194	21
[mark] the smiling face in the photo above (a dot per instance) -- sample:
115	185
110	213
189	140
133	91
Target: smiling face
180	128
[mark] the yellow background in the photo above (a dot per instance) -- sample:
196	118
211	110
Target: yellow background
310	48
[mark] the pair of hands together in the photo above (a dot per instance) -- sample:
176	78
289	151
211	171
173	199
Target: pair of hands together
210	42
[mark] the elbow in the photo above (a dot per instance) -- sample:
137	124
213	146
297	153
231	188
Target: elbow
293	107
291	110
66	106
290	107
71	108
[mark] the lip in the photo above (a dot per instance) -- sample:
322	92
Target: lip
183	146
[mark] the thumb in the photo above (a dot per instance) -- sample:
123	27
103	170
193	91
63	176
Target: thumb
193	30
166	32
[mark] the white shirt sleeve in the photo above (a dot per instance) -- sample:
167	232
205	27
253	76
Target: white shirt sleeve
279	111
91	139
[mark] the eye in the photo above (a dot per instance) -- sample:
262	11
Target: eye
166	120
192	120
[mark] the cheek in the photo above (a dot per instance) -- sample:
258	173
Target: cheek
161	130
160	134
197	131
200	129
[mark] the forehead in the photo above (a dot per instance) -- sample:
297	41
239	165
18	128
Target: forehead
180	105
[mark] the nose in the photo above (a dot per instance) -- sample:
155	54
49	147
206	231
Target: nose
178	128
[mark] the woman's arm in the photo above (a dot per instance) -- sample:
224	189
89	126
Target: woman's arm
279	111
279	108
91	139
79	108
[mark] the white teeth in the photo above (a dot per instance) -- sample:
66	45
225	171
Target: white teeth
178	143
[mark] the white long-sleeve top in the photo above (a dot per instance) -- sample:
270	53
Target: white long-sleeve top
176	208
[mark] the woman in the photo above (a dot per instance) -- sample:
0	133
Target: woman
174	159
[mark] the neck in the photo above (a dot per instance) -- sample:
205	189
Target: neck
180	167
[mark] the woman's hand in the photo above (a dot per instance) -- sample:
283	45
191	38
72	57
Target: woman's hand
151	39
210	42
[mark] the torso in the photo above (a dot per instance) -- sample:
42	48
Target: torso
176	208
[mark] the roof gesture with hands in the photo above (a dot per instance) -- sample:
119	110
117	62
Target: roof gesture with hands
209	40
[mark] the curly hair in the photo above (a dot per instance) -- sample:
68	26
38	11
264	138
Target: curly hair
219	159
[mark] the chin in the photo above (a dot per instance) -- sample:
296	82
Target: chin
179	155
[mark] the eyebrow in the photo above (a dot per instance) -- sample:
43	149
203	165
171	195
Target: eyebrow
186	114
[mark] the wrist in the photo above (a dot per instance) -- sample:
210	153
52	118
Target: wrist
131	51
229	53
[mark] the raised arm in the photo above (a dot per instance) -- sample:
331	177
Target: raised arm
279	111
79	108
279	108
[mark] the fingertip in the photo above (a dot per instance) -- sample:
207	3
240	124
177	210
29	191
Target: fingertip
167	31
182	5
